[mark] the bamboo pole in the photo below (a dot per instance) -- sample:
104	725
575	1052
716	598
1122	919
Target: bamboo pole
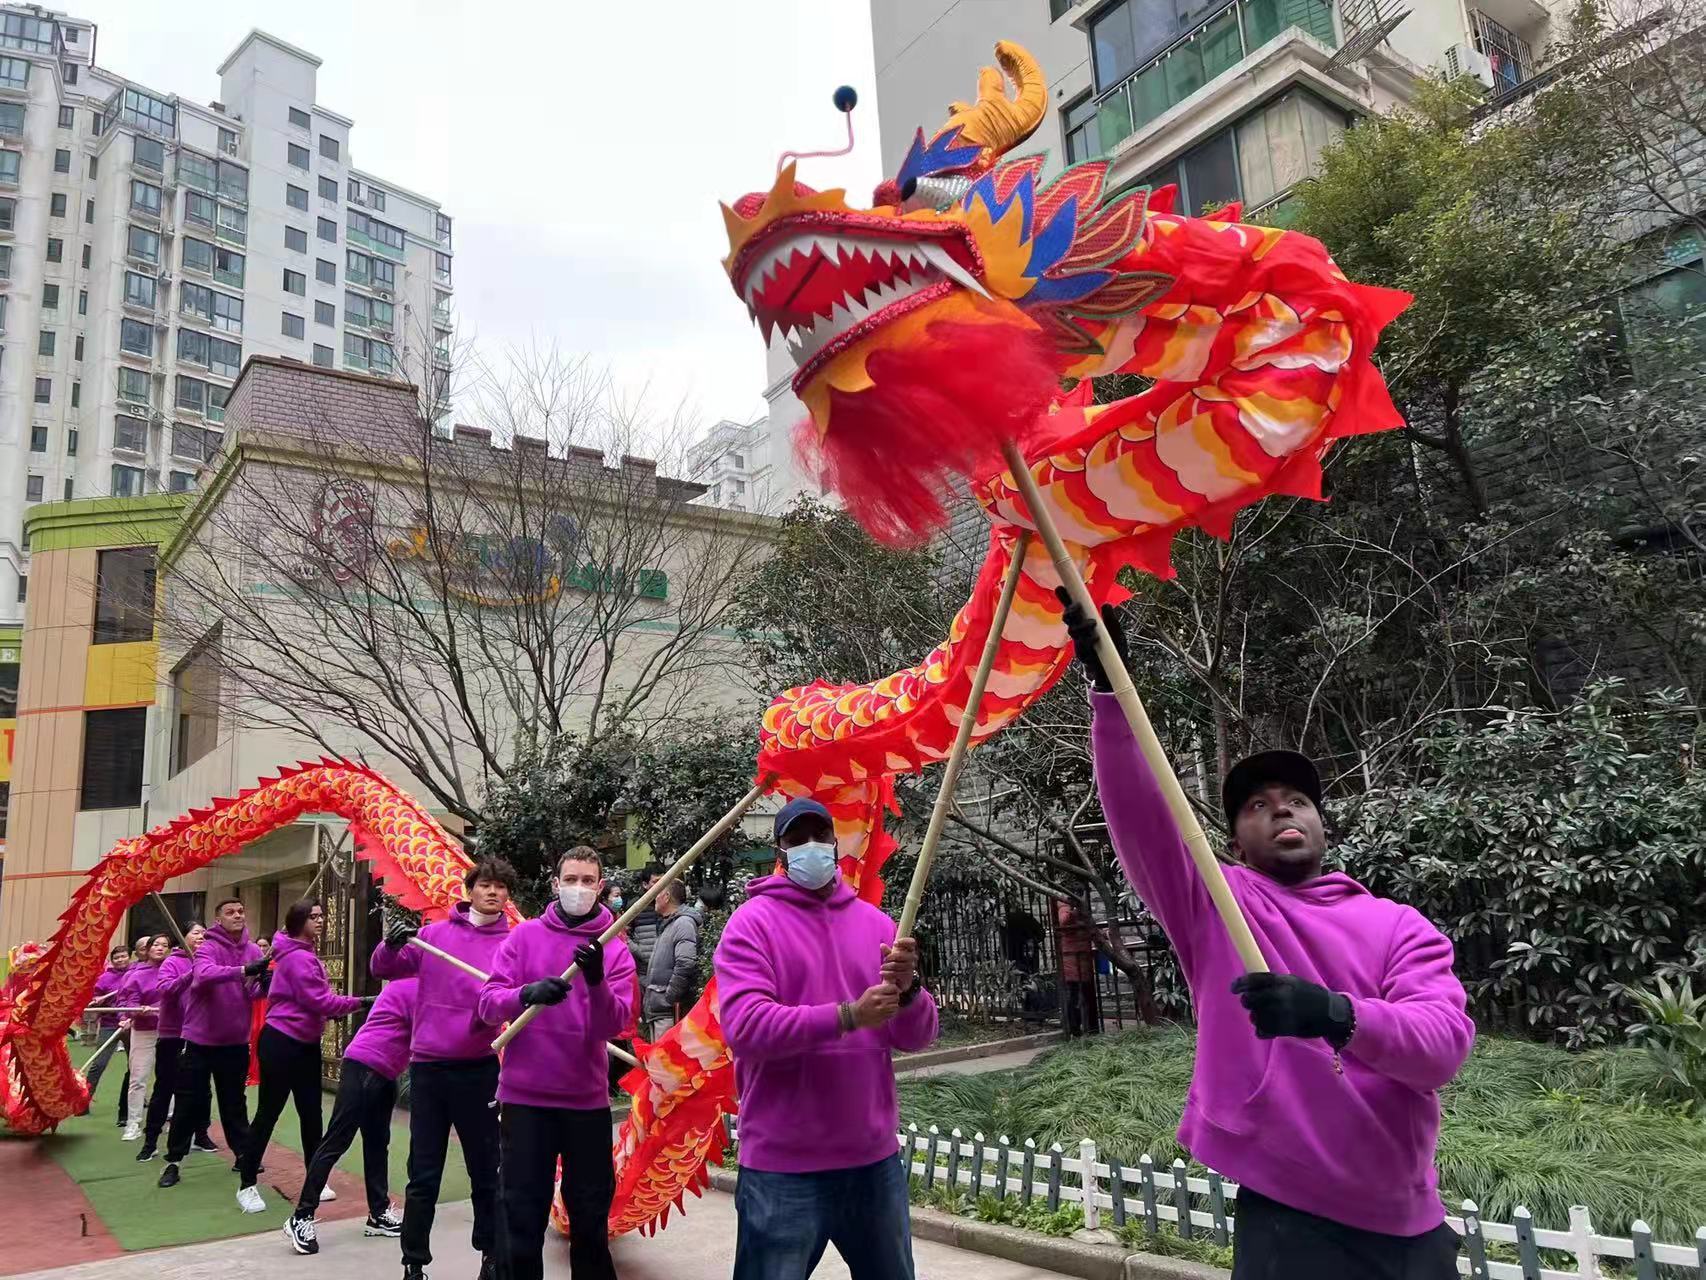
673	873
105	1044
1190	830
962	740
469	969
171	923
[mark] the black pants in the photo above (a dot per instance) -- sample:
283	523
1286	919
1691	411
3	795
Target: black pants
364	1104
445	1096
290	1072
534	1138
1276	1242
227	1067
96	1067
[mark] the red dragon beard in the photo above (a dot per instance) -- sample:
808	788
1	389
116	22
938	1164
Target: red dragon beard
937	414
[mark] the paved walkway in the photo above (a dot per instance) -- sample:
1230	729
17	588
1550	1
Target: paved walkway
697	1246
972	1066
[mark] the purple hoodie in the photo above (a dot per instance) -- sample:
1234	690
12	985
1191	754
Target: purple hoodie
811	1098
217	1005
446	1025
300	998
139	989
171	983
559	1059
383	1041
108	983
1356	1145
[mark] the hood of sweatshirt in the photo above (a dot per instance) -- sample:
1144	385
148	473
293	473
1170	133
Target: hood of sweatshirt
586	930
1323	891
283	945
783	889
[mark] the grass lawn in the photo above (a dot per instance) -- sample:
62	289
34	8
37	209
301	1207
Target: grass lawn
141	1216
1523	1124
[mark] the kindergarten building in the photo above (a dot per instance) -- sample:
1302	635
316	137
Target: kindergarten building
119	722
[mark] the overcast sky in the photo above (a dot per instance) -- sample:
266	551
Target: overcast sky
581	148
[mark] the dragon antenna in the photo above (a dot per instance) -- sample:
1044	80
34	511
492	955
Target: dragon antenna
846	98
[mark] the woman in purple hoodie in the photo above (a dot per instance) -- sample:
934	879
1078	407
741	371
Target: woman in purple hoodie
299	1002
141	990
170	984
1317	1085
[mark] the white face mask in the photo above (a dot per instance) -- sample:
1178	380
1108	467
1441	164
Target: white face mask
811	866
576	899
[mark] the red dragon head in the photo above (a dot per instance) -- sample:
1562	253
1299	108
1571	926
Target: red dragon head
936	324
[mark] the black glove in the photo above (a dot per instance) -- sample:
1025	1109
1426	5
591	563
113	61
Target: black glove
255	968
1282	1004
1083	633
545	991
398	935
590	957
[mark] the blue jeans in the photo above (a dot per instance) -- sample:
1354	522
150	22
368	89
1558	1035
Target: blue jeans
786	1220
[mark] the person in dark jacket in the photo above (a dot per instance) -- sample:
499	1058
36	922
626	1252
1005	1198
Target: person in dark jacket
672	978
644	928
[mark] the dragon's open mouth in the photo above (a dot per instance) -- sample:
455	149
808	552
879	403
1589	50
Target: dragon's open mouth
824	289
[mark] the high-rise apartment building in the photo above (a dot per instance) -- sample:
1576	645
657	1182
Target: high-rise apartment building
733	463
150	244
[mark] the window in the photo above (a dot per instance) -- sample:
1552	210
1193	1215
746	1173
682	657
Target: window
9	161
228	142
1669	305
8	213
196	697
145	196
46	341
1057	9
440	305
86	250
136	337
133	385
328	188
130	434
5	266
1281	145
55	249
441	268
296	239
233	224
192	346
196	300
198	397
298	156
68	117
228	267
326	272
82	310
198	254
181	481
227	312
71	441
140	290
124	595
366	353
34	35
295	282
23	587
68	488
113	741
38	438
327	230
190	441
76	393
146	153
328	147
14	73
95	163
224	358
145	245
377	233
56	205
293	326
61	161
325	313
127	481
198	172
443	229
199	208
322	356
71	34
376	199
44	390
233	182
295	197
365	312
12	119
89	210
299	118
32	489
50	297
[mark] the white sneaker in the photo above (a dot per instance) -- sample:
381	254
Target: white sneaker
132	1134
249	1200
326	1193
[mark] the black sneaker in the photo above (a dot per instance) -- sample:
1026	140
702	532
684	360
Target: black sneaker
414	1273
238	1168
204	1144
300	1232
168	1176
386	1224
488	1267
145	1155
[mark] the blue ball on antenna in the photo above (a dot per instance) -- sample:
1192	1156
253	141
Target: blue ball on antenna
846	98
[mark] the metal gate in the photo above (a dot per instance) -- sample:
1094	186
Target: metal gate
989	952
339	896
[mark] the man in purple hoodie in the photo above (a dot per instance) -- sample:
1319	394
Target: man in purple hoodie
1317	1085
453	1073
225	981
816	993
554	1085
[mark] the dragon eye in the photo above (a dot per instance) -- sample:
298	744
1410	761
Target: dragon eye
933	193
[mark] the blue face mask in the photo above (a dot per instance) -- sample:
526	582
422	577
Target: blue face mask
811	866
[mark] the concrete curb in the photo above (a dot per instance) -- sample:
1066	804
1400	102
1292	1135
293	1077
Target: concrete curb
972	1052
1032	1249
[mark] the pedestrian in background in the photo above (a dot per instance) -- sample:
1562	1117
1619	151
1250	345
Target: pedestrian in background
672	979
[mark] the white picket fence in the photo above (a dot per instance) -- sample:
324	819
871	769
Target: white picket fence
1196	1207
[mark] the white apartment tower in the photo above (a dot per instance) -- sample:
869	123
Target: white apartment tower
148	245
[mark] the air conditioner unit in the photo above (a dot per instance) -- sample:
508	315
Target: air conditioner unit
1462	60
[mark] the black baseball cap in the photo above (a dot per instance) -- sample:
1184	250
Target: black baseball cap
1252	773
796	809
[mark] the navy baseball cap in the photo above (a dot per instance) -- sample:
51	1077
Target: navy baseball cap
1252	773
794	810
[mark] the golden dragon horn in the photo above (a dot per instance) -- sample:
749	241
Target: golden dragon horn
996	122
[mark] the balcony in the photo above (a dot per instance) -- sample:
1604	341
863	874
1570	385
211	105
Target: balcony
1194	60
1508	54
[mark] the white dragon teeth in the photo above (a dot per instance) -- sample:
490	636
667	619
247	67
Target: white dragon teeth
943	261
